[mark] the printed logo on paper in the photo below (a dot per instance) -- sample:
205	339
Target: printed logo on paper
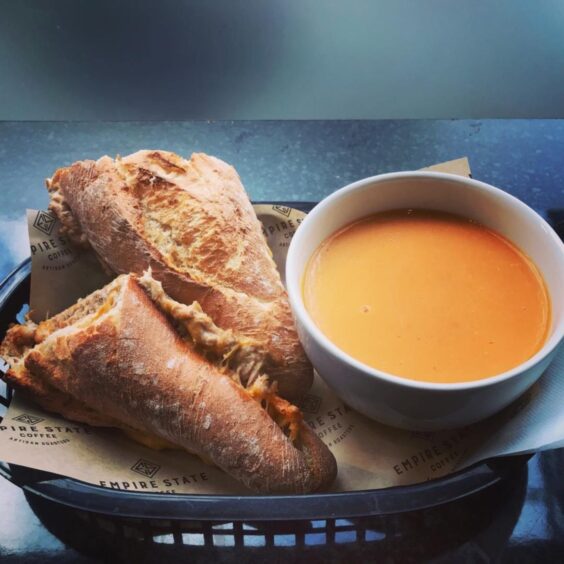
285	211
311	403
145	468
45	222
28	419
423	435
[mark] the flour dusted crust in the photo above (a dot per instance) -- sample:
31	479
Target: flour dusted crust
119	353
191	222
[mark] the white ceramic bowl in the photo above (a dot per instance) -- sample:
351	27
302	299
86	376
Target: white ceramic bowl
399	401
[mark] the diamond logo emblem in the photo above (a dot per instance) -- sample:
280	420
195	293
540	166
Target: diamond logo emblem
45	222
28	419
283	210
145	468
311	403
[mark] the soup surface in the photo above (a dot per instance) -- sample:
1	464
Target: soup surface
428	296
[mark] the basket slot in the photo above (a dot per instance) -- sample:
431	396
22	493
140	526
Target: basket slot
256	540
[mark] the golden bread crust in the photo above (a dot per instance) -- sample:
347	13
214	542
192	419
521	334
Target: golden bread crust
192	223
119	355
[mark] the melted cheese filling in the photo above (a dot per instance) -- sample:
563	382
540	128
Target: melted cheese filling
241	357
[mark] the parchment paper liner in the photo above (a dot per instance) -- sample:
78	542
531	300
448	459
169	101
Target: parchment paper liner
369	455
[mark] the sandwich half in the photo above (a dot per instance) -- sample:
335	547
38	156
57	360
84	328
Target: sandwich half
131	357
192	223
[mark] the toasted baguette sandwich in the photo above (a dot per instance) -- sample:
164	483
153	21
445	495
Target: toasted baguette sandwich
191	222
129	356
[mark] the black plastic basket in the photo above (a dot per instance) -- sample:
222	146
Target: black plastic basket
234	521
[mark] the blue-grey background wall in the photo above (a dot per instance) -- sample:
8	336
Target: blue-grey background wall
234	59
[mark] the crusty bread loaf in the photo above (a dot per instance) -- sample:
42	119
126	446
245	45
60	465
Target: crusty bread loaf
142	365
192	223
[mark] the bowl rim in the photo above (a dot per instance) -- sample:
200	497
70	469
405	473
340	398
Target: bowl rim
293	284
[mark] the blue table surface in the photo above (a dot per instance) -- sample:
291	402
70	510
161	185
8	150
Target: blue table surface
305	161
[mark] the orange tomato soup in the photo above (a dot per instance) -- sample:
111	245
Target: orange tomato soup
428	296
